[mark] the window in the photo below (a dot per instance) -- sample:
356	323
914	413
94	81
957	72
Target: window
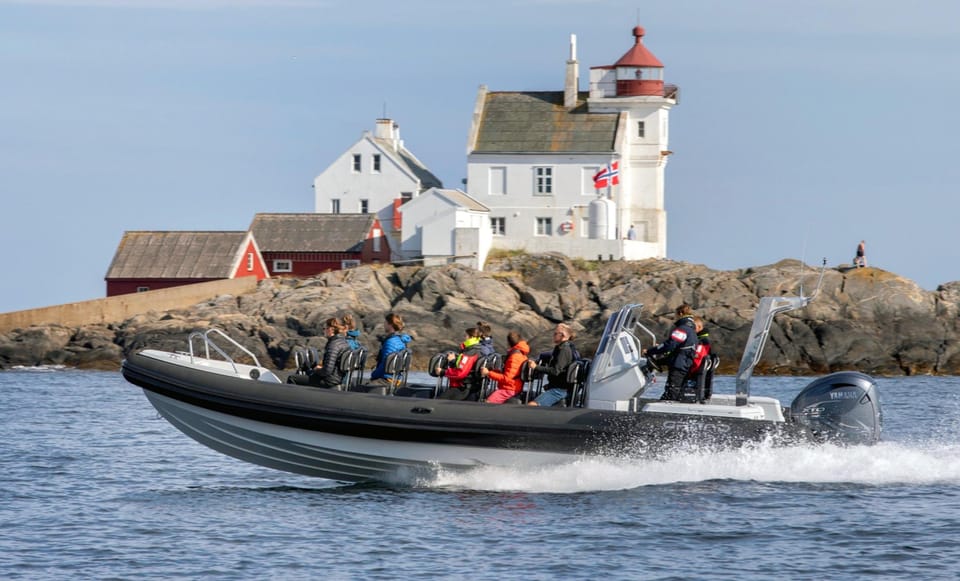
376	163
142	289
641	129
364	206
498	181
282	266
334	206
377	236
544	227
543	180
405	197
356	163
249	261
344	264
498	226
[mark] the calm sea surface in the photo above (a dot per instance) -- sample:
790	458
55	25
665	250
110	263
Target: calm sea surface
95	485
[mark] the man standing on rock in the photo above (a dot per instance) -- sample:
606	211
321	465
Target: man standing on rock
860	260
679	350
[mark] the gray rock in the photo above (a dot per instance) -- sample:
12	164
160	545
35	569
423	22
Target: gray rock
866	319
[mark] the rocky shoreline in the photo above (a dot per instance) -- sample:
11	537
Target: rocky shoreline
865	319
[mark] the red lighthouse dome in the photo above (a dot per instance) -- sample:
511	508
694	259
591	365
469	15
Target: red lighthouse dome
638	71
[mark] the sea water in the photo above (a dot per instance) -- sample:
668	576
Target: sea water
93	484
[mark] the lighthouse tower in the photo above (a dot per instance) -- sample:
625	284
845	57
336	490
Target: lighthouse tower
634	88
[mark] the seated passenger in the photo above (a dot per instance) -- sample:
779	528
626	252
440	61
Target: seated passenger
702	349
463	383
395	340
353	335
508	379
486	339
327	372
564	353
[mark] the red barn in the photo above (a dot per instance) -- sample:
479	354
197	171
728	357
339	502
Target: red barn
163	259
308	244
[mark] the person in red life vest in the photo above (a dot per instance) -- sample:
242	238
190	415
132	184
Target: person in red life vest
702	349
463	383
508	379
678	350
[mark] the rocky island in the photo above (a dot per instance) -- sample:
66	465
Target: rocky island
865	319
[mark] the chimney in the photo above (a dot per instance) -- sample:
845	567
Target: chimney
572	84
388	130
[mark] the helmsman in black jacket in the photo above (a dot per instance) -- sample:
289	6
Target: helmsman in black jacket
679	350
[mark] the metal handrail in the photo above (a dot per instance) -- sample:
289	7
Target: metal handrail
208	343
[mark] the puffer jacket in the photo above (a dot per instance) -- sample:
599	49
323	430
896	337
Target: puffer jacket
330	375
509	378
393	343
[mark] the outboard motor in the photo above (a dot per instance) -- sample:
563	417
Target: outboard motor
842	407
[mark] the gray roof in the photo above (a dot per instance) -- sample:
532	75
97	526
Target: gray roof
461	199
537	122
171	254
311	232
405	158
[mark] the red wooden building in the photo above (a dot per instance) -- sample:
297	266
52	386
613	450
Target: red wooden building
154	260
307	244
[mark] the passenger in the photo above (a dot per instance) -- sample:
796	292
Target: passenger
678	350
486	339
463	383
508	379
327	372
703	346
564	353
395	340
353	335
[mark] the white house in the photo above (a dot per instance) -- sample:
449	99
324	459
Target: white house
531	158
374	175
442	226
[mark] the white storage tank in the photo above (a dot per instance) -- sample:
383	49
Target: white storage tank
603	219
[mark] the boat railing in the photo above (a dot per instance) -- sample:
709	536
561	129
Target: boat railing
208	343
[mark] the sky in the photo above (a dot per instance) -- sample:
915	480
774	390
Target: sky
803	126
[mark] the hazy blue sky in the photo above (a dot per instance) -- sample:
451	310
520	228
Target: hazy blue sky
803	126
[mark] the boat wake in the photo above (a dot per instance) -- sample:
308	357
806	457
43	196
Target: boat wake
887	463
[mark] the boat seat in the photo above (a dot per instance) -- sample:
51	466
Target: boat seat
398	366
699	388
577	377
487	385
532	382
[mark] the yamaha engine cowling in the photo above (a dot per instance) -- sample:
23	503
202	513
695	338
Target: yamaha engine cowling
842	407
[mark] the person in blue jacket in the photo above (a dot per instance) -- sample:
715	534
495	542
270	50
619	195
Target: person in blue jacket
396	340
679	350
353	334
486	338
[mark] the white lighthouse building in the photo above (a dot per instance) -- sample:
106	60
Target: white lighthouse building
532	157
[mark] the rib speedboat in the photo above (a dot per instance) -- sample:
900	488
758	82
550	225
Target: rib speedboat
247	411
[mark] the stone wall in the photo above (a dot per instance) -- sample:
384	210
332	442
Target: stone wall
122	307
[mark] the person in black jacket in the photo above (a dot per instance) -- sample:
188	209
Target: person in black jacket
564	353
327	373
678	350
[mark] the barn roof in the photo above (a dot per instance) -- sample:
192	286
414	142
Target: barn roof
176	254
311	232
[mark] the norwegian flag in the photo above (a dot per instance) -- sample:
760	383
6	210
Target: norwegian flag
608	175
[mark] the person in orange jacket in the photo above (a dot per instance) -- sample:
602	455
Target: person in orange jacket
508	379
